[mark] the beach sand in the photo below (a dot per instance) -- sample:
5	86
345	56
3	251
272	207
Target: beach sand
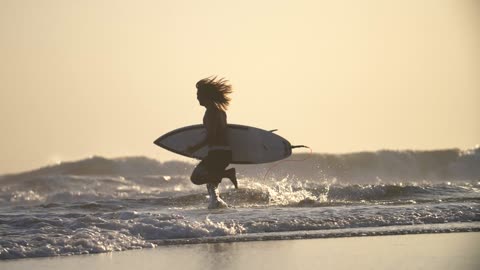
423	251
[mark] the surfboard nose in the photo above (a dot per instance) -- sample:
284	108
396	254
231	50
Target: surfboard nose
157	141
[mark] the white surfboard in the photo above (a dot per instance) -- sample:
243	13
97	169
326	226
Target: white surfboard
249	145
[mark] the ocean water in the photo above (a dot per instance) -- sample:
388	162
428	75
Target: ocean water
101	205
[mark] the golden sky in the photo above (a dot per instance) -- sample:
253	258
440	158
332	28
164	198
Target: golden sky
98	77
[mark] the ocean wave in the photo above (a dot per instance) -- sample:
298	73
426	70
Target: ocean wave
47	234
101	205
178	191
384	165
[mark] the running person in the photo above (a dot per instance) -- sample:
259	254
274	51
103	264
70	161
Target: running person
212	93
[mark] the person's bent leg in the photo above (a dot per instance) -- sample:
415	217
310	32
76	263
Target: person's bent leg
232	175
200	174
216	163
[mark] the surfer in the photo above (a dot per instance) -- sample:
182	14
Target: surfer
212	93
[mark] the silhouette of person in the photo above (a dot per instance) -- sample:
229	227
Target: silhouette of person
212	93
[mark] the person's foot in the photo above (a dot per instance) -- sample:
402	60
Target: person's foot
232	175
215	204
215	200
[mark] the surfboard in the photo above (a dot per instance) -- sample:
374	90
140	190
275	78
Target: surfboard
249	145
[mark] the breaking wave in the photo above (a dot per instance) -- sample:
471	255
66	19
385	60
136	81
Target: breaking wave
384	165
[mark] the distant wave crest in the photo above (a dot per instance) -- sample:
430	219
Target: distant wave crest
450	164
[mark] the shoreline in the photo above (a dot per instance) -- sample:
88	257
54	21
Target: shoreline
330	234
456	250
362	232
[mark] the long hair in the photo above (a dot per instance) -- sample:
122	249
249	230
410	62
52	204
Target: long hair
217	90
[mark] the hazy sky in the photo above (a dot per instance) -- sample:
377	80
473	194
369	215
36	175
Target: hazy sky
82	78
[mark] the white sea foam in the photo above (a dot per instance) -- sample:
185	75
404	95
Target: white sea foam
50	234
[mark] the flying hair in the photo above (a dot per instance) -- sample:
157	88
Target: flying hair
217	90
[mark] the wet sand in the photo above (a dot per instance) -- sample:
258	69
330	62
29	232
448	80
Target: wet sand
423	251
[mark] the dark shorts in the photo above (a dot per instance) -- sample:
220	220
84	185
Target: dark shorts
212	167
217	160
